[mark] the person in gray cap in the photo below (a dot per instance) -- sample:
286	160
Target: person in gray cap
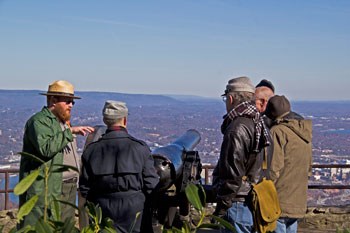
291	161
118	170
49	136
241	155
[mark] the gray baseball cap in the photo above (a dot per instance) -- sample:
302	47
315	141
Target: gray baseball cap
114	110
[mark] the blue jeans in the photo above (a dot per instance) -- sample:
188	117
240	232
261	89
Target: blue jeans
240	216
287	225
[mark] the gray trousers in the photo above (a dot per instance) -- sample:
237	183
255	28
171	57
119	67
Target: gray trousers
69	193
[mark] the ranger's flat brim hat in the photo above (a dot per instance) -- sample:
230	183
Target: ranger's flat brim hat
61	88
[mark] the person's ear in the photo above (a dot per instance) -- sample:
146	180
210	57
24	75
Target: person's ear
125	121
231	99
52	100
265	101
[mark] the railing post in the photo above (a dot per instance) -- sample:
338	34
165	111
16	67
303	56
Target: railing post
6	189
206	175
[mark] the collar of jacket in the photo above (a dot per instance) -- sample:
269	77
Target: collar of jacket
122	133
116	128
48	112
225	124
245	109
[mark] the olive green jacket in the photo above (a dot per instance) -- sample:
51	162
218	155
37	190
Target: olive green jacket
43	138
291	164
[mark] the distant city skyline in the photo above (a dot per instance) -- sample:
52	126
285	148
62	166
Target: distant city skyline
177	47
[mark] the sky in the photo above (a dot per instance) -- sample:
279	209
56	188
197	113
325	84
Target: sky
190	47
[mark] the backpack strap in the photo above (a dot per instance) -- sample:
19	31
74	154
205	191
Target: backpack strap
264	163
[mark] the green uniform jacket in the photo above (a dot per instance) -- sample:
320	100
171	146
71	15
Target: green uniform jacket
291	164
44	138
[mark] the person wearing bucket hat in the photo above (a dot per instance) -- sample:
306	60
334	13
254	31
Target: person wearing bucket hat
241	155
49	137
118	171
291	161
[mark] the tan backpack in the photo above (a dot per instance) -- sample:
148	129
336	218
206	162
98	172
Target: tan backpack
265	204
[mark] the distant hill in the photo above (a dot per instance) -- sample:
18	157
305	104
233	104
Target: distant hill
31	98
130	99
194	98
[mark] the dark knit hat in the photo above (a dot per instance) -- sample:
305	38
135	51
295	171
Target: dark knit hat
277	106
266	83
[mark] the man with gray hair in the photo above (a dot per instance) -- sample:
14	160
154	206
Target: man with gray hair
241	155
118	170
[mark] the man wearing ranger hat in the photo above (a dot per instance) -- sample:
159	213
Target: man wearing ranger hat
49	136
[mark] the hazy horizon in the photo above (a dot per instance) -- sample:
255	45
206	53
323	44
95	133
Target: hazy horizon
175	96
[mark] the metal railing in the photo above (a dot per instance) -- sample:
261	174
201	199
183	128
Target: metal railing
206	169
7	190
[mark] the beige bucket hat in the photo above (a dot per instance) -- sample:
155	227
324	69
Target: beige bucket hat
61	88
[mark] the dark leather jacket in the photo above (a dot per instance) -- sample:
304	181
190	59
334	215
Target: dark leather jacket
238	165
